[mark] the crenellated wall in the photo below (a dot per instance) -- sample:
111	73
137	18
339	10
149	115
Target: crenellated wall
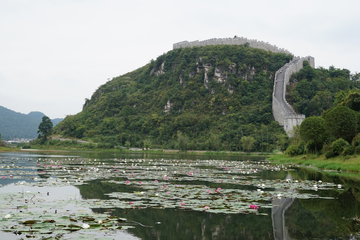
283	113
232	41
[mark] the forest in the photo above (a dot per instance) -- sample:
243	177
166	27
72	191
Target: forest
202	98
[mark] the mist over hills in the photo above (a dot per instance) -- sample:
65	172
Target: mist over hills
18	125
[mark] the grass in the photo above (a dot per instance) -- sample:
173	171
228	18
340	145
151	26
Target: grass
8	149
343	163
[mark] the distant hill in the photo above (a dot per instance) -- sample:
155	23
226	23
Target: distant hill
19	125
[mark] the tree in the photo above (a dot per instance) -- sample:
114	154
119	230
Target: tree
247	142
147	144
2	144
45	128
282	140
341	122
127	144
313	129
352	100
182	139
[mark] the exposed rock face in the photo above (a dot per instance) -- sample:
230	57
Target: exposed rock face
206	78
167	106
160	70
250	76
220	76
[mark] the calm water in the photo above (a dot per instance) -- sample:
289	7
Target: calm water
332	214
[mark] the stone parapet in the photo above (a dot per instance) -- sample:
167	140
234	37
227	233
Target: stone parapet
232	41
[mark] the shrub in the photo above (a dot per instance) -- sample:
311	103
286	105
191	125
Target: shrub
356	140
357	149
300	148
341	122
310	146
348	151
291	150
338	146
330	154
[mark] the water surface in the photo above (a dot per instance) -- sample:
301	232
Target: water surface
177	196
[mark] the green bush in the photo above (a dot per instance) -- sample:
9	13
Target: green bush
348	151
338	146
330	154
356	140
300	148
357	149
310	146
291	150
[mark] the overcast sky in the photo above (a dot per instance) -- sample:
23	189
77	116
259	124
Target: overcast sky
56	53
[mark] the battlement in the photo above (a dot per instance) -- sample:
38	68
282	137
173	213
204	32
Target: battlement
232	41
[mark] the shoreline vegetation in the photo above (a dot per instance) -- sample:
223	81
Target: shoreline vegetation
339	163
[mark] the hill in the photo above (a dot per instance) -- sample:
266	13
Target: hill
213	95
19	125
208	97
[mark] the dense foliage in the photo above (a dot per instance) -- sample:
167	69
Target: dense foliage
206	98
312	91
334	95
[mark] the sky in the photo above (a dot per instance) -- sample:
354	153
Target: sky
56	53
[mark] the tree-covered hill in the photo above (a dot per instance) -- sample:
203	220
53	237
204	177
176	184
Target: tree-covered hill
312	91
210	96
19	125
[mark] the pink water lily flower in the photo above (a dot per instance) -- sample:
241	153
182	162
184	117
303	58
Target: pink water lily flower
165	186
131	203
207	207
182	204
156	181
252	206
127	181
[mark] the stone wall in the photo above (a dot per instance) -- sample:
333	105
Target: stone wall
283	113
232	41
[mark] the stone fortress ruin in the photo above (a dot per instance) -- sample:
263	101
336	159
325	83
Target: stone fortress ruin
283	113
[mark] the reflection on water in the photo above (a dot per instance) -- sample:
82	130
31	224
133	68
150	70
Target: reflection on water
334	215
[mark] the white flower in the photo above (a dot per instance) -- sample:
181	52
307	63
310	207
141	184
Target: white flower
85	225
99	222
8	216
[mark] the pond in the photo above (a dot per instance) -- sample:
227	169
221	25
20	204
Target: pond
92	195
